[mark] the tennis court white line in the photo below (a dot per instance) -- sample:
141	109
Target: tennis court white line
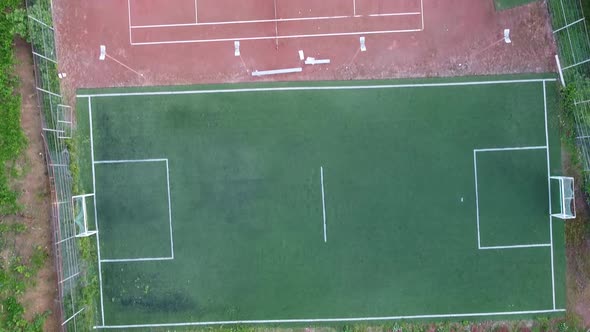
328	320
422	13
122	161
549	194
187	41
270	20
147	259
518	246
95	210
315	88
129	18
323	202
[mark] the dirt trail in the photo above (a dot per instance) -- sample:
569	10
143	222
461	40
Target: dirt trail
35	197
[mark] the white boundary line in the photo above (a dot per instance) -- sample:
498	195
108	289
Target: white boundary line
549	193
196	13
188	41
89	96
323	203
142	259
315	88
517	246
270	20
95	210
328	320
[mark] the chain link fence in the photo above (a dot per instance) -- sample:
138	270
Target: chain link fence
57	124
573	42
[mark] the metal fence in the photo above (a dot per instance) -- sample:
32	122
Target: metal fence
573	42
57	132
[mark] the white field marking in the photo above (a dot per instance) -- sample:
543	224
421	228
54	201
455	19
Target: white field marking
279	20
323	202
541	147
327	320
126	161
476	199
169	210
354	7
188	41
311	88
422	12
549	194
70	277
475	151
123	161
95	210
129	11
74	315
146	259
518	246
196	13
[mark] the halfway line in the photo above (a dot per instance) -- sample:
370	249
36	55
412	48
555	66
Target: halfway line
323	202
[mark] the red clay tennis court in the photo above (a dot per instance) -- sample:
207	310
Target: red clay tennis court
187	21
170	42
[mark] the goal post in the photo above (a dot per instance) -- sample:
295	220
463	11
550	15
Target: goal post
567	201
81	214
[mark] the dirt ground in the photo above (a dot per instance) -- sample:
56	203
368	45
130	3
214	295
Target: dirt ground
461	37
42	296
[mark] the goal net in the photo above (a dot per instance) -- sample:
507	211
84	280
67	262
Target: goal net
81	215
566	197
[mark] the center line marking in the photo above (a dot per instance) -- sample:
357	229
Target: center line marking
323	202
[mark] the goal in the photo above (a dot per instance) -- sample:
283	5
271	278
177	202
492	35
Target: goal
566	197
81	213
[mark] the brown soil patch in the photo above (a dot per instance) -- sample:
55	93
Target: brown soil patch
42	295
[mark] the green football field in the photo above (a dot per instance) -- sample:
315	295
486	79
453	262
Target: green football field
316	202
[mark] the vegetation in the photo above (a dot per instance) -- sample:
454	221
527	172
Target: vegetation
16	273
12	139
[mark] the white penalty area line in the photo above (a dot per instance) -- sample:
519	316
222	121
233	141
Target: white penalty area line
518	246
147	259
123	161
278	20
336	34
517	148
323	202
316	88
336	320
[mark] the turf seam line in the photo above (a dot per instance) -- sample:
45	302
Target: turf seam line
324	320
313	88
